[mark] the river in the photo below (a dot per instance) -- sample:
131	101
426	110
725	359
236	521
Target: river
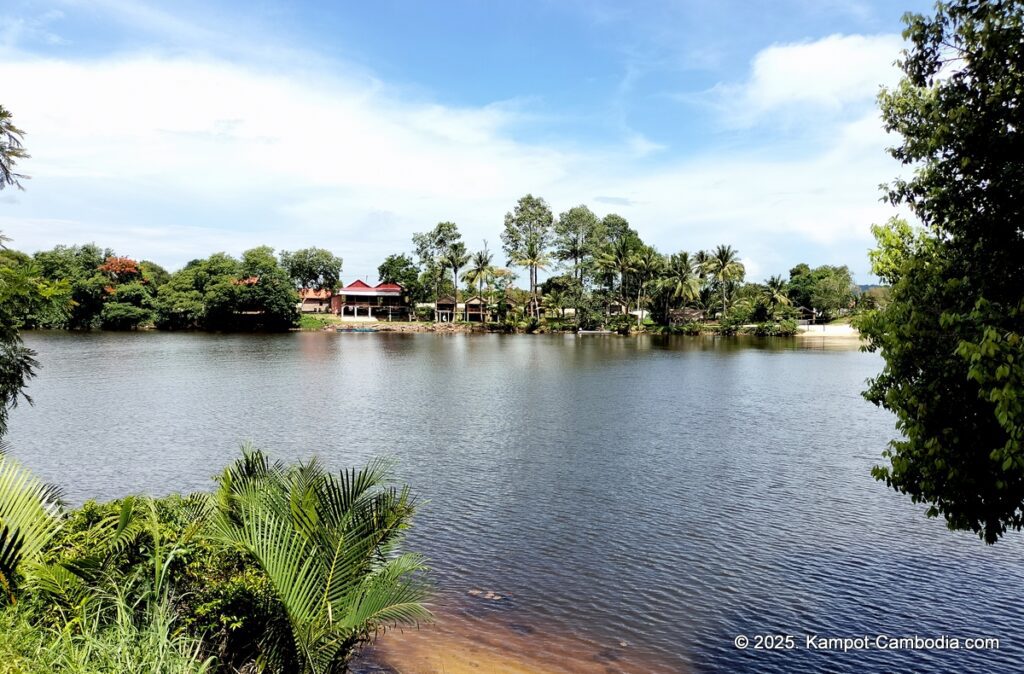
636	502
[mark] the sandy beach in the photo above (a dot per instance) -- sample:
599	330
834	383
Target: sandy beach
832	331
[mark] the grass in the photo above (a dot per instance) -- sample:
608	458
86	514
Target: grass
317	321
136	639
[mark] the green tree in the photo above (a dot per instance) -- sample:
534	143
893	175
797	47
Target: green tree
616	260
431	248
315	268
222	293
827	289
11	150
455	258
833	291
481	269
153	274
682	278
724	268
647	264
773	295
401	269
78	266
952	333
578	237
526	238
615	229
24	295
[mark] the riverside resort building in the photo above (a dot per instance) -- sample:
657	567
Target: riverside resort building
382	302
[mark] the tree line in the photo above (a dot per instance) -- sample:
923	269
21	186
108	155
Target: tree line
93	287
595	263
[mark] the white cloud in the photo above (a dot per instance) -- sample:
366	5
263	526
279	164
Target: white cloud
814	78
173	158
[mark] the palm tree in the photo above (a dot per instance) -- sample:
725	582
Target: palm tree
10	150
700	262
480	269
455	258
647	263
682	277
617	259
774	294
723	267
534	257
28	522
328	545
556	301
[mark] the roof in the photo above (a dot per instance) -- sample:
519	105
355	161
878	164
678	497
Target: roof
314	294
359	288
476	299
447	299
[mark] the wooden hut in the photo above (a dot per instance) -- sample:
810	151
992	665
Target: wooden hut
445	309
475	310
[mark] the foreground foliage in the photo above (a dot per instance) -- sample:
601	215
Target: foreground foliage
281	569
952	334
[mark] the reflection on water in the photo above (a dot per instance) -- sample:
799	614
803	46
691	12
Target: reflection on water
497	640
664	492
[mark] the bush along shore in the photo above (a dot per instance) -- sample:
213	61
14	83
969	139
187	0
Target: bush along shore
601	276
282	568
624	326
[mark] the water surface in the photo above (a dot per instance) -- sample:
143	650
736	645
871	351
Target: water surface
639	502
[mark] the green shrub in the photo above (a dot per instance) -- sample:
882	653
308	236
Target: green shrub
784	328
211	581
691	328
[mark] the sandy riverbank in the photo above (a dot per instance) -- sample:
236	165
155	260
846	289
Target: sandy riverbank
837	331
462	643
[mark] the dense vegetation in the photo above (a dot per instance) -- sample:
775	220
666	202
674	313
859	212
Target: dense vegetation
602	274
952	335
280	569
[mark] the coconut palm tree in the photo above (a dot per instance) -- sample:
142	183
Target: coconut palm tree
328	545
480	269
616	259
700	263
455	258
11	150
682	277
556	300
723	267
646	263
774	294
533	257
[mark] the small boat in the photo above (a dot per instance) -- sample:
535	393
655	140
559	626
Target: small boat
355	329
595	332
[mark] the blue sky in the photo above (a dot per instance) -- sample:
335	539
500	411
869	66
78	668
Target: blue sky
172	130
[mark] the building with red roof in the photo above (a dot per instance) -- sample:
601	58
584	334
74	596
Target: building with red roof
361	301
313	301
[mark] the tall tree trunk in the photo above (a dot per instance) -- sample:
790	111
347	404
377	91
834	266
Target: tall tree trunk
534	309
455	279
639	306
578	295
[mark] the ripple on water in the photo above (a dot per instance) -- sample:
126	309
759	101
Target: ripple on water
665	493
